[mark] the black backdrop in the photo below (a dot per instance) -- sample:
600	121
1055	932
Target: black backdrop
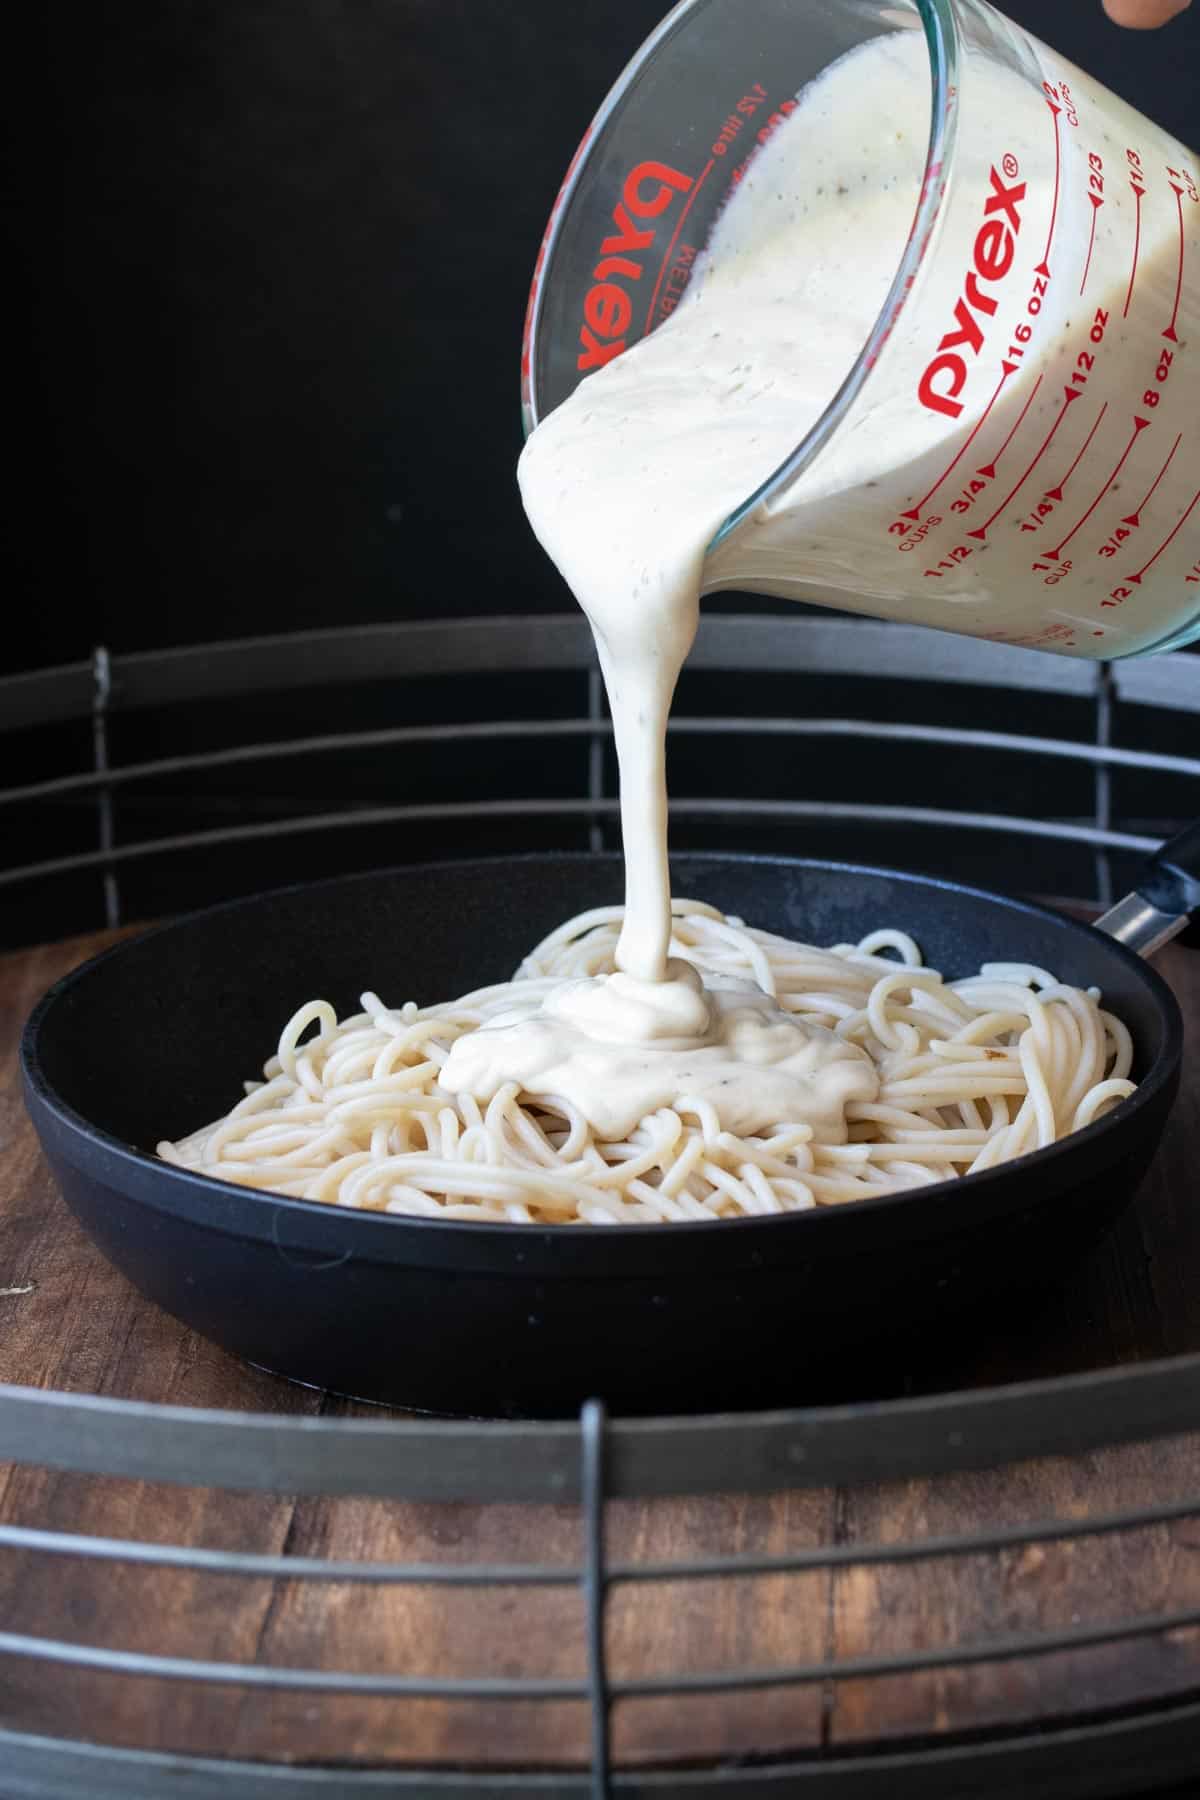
268	269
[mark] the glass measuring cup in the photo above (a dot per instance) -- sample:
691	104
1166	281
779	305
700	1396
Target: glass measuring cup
1015	453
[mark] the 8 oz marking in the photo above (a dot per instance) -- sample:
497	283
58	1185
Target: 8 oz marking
1151	397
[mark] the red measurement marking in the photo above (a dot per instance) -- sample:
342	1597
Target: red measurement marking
914	512
1170	332
1097	201
670	253
1056	492
989	469
1183	521
1069	393
1137	242
1043	267
1135	517
1139	425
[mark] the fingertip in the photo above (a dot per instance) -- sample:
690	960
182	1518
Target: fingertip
1144	15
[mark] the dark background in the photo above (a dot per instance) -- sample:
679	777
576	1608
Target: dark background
272	262
266	279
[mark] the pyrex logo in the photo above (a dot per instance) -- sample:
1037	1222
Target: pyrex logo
995	247
607	306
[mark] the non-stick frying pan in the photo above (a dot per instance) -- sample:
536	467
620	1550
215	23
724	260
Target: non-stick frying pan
154	1037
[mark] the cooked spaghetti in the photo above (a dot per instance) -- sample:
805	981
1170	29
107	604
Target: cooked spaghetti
971	1072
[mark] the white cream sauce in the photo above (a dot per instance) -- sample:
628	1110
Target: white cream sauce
617	1048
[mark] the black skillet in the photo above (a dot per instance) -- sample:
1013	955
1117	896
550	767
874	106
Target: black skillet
154	1037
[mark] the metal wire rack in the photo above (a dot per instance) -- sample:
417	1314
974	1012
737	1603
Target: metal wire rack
111	688
594	1460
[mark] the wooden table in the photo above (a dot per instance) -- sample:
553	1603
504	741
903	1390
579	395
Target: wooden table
67	1320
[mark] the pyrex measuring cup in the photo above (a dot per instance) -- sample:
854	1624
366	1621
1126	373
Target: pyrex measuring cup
1015	454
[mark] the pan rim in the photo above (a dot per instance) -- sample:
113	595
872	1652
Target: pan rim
77	1127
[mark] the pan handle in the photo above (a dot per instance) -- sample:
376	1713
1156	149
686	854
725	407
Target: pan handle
1167	896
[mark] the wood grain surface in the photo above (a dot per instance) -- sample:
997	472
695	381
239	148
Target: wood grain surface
67	1320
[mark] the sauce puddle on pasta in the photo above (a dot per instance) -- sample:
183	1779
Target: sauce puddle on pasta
664	1062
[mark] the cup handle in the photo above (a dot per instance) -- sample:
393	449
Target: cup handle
1165	900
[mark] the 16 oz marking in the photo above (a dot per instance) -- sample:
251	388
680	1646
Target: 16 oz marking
1151	397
